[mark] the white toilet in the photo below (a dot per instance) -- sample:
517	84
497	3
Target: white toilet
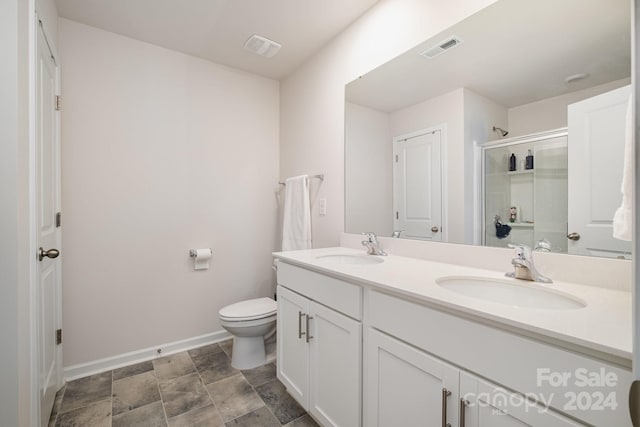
249	322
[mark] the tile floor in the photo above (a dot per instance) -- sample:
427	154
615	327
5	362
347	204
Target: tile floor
194	388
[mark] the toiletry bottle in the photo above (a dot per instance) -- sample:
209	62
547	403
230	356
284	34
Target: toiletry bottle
529	163
512	162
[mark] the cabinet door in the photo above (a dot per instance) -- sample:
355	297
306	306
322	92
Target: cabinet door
335	367
293	350
492	406
404	386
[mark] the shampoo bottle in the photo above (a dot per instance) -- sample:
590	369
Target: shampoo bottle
512	162
529	161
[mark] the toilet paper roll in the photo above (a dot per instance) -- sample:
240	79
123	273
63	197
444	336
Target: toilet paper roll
201	260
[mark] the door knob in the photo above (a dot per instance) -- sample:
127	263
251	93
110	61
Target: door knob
434	229
51	253
573	236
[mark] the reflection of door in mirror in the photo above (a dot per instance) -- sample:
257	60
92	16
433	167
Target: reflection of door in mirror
532	201
596	155
417	185
522	84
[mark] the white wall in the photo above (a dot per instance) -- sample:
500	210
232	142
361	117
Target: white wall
480	115
312	98
551	113
369	177
48	14
162	152
9	211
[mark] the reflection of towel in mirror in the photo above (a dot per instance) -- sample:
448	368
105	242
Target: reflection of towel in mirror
622	219
502	230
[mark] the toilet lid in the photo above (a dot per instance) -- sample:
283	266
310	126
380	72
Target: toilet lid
249	310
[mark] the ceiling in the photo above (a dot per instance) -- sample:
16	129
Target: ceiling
217	29
513	52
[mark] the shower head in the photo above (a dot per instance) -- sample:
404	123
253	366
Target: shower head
502	131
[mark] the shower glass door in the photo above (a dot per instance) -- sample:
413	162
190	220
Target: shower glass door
527	205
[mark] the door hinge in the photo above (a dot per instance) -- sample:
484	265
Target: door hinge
58	219
58	336
396	158
397	215
58	102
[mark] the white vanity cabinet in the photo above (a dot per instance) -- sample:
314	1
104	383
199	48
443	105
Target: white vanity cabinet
320	344
407	344
293	348
406	386
484	404
368	355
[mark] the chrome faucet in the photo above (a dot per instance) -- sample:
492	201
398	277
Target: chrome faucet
523	265
373	247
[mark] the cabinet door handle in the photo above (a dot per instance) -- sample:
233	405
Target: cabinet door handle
463	406
300	316
309	337
445	395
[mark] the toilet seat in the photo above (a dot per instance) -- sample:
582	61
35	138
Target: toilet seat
252	309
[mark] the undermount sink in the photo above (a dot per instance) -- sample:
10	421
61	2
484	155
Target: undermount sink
350	259
512	293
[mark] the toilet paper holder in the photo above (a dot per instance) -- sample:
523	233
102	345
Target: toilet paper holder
193	253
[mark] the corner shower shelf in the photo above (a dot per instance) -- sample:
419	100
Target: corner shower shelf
520	224
520	172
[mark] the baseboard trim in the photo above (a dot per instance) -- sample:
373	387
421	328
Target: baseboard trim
102	365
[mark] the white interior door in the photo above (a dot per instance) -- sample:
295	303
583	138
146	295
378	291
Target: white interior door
417	186
47	179
596	153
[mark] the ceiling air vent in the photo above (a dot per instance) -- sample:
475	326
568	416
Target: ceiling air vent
441	47
262	46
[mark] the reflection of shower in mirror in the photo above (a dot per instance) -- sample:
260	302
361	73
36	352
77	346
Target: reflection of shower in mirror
510	96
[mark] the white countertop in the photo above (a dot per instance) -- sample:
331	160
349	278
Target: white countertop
604	325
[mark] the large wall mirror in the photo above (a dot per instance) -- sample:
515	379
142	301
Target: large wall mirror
508	127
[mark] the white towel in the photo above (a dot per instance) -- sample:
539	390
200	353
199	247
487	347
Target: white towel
296	227
622	219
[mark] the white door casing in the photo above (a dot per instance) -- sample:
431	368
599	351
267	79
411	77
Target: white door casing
596	153
417	185
48	293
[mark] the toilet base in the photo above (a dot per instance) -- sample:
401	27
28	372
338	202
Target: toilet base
248	352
